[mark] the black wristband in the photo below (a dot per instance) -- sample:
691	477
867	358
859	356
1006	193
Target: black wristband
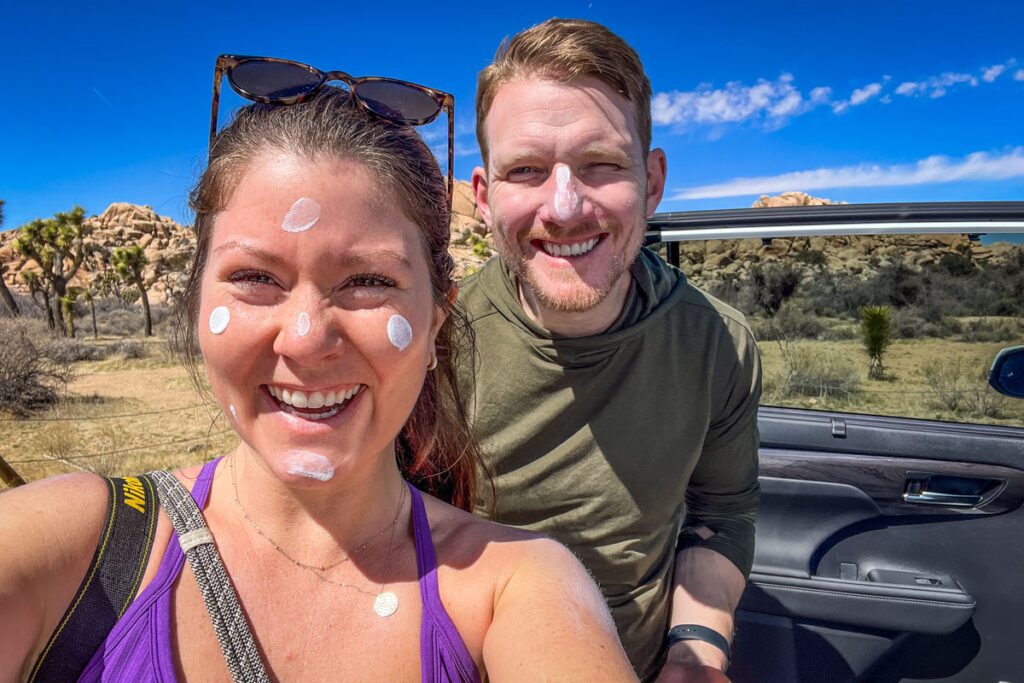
697	632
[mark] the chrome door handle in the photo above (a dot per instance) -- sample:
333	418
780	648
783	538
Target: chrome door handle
952	500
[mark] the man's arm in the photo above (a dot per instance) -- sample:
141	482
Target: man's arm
716	544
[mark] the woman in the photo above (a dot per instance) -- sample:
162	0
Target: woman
322	303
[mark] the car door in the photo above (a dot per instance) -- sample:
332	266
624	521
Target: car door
890	539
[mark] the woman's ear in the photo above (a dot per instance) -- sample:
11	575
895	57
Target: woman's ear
441	312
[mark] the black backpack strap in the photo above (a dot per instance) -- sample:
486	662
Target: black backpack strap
110	583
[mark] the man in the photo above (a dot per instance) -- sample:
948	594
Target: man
608	390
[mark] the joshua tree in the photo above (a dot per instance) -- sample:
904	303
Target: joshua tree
5	293
876	333
89	294
35	286
57	246
129	262
67	306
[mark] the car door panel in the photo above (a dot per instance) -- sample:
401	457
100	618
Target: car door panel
853	580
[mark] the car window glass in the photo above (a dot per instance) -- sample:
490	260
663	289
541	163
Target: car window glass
902	325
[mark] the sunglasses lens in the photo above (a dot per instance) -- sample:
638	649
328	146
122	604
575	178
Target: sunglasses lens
273	79
397	101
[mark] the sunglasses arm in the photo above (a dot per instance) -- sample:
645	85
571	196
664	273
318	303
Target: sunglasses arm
218	72
450	104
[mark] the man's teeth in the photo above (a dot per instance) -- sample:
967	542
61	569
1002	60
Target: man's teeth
576	249
313	399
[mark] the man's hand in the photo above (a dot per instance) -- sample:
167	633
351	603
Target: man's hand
707	589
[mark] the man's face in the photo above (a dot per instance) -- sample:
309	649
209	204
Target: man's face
566	191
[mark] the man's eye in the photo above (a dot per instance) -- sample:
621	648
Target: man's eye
251	276
523	173
371	280
605	167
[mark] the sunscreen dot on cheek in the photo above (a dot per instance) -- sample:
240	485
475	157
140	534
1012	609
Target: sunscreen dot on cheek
565	201
234	413
308	464
302	324
302	216
219	319
399	332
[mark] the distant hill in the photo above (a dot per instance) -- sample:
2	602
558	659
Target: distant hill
169	247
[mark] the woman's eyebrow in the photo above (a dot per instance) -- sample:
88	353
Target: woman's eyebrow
347	259
251	250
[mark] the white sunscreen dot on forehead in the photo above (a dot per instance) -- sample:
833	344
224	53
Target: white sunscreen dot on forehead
219	319
234	413
302	324
565	200
308	464
399	332
302	216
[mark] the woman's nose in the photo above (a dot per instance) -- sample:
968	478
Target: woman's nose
306	331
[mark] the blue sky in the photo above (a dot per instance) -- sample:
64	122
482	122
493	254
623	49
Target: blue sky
859	102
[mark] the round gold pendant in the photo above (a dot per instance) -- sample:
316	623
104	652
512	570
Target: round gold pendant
385	604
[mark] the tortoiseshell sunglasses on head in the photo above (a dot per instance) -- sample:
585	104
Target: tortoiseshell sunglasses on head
281	81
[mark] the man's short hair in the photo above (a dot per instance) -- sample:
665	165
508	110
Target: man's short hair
566	50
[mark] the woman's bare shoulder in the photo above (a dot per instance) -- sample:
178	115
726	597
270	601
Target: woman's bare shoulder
48	532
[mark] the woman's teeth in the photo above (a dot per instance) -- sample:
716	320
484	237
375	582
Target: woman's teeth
331	402
577	249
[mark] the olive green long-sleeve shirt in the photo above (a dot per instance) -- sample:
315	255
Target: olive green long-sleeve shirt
614	443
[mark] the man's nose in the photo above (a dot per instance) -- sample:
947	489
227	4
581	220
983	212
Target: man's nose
565	200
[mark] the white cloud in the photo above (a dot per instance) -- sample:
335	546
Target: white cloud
936	86
991	73
934	169
770	102
862	95
1019	76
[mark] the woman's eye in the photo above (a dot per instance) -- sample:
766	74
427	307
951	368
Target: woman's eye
371	280
249	276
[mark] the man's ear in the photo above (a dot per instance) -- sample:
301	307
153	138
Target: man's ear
480	188
657	170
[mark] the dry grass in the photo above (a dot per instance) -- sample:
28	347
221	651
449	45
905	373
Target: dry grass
122	416
906	392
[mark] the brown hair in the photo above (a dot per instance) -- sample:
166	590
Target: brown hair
435	449
566	50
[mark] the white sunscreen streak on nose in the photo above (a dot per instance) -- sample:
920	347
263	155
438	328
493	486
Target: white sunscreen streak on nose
234	413
399	332
309	464
565	200
302	324
219	319
302	216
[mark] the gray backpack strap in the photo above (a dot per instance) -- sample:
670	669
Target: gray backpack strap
229	622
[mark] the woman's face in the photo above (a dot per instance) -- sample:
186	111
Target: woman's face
316	318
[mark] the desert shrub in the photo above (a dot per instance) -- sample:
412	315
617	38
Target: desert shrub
812	257
958	386
987	330
129	349
956	264
772	284
816	373
791	322
120	322
29	379
68	350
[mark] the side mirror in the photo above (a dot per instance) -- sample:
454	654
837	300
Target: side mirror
1007	373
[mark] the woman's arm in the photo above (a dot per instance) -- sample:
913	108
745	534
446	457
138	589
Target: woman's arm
551	622
48	533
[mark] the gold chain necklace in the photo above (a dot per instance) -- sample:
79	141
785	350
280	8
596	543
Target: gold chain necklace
386	602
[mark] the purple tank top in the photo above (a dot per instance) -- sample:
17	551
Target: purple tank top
138	648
